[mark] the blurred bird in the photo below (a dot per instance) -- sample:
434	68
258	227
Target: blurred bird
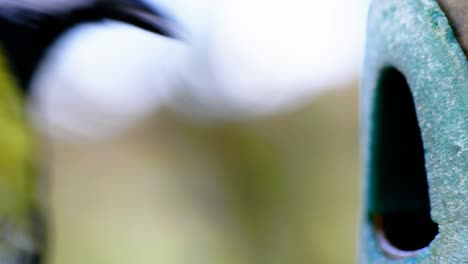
28	28
239	59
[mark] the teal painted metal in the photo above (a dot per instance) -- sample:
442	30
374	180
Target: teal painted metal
415	70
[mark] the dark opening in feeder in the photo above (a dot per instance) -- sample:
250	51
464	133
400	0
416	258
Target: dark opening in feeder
414	136
399	197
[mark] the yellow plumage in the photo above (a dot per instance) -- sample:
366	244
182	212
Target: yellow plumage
16	149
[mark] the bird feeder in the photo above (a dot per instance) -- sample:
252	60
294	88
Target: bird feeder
415	133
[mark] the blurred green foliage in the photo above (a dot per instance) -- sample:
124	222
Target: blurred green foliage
281	189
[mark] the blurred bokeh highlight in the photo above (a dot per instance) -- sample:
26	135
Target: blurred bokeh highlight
238	145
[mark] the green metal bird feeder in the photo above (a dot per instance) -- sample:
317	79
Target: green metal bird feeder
415	133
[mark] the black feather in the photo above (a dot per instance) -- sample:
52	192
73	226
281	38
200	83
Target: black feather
27	41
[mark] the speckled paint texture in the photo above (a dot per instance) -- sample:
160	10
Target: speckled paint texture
414	36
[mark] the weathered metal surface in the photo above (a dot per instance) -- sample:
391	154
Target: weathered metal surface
413	44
